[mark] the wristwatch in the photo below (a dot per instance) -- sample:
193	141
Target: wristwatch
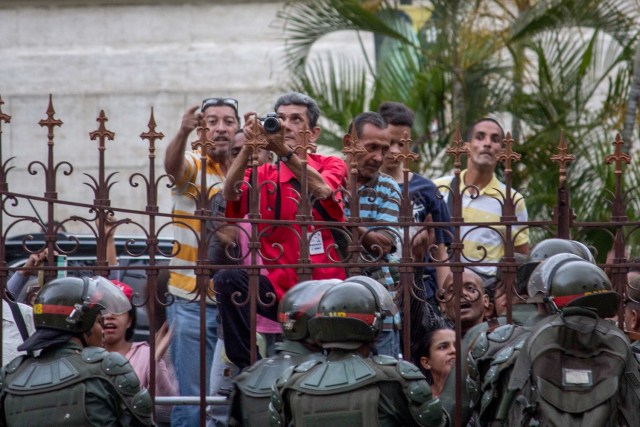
286	157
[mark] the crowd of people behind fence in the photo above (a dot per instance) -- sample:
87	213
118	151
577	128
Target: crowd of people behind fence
329	346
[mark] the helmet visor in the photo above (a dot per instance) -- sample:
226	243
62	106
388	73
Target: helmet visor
108	296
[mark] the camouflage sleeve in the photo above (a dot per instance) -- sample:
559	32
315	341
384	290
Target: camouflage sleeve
424	407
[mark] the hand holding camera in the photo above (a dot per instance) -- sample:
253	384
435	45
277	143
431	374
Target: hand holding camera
271	123
269	126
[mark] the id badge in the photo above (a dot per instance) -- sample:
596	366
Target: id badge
315	243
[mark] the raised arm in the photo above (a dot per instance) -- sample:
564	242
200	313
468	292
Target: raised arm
174	161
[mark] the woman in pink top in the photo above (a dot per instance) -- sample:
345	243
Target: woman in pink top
118	331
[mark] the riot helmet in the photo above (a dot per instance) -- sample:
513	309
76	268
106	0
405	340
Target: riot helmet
546	249
299	304
72	304
572	281
348	316
387	305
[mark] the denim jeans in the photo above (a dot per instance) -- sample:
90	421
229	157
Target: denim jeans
221	384
388	343
184	318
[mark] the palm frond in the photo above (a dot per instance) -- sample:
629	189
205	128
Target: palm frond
305	23
338	84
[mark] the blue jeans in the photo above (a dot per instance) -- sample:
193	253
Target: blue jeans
221	384
388	343
184	318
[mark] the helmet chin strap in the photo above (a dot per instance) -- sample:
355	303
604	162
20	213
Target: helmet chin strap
82	338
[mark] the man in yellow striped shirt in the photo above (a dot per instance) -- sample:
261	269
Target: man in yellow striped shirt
481	201
222	120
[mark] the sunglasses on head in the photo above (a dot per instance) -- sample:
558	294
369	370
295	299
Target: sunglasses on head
217	102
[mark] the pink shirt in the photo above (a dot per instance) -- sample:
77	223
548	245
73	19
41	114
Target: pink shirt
263	325
138	357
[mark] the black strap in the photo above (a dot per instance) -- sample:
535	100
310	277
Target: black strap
17	317
316	205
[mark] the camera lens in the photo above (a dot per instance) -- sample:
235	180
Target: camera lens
271	123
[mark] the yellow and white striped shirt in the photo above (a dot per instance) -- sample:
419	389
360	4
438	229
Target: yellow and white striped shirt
486	208
186	231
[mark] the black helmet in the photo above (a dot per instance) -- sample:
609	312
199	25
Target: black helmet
572	281
348	316
388	308
72	304
546	249
492	283
300	304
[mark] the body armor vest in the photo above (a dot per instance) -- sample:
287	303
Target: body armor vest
254	384
490	362
50	390
346	392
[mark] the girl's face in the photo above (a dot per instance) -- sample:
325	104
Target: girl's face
115	327
442	353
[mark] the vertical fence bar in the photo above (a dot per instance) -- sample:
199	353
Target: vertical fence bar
618	275
304	214
508	218
562	213
406	217
457	150
152	242
203	212
50	183
101	189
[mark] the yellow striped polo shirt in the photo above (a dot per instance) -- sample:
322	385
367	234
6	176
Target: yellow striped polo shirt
486	208
186	231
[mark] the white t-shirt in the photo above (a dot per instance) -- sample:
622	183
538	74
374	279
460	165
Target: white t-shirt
11	337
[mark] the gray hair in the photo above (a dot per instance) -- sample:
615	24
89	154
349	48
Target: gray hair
369	117
296	98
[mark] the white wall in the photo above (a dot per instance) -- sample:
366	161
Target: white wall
125	60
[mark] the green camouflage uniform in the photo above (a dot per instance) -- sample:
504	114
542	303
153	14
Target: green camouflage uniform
252	391
70	386
350	390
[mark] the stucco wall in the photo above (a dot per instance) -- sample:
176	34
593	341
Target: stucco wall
124	60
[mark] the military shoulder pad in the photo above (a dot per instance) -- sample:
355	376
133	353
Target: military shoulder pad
501	333
94	354
116	364
344	374
286	375
118	368
142	407
384	360
305	366
419	391
480	346
432	414
14	364
503	355
409	371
